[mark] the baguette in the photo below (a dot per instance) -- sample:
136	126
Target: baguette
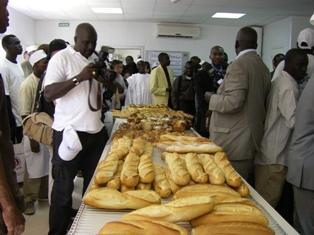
173	186
232	213
195	168
243	190
125	188
183	138
107	198
138	146
179	210
146	169
120	147
114	183
177	147
105	171
177	167
142	227
144	186
222	191
215	174
161	184
129	174
232	177
234	228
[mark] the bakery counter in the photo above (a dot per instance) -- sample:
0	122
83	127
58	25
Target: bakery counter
90	220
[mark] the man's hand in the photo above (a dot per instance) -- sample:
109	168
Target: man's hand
208	95
87	73
14	220
35	146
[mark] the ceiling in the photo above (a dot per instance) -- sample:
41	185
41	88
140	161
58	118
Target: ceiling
258	12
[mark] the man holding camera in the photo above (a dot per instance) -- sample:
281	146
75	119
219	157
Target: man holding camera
79	137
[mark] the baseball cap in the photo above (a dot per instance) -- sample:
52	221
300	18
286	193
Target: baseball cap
37	56
70	145
306	39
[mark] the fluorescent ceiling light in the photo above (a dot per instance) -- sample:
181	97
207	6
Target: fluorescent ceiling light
105	10
228	15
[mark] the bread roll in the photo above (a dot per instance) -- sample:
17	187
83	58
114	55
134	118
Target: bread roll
142	227
178	171
161	184
129	173
179	210
124	188
195	168
146	169
138	146
173	186
107	198
114	183
232	177
105	171
233	212
234	228
216	175
144	186
243	190
207	189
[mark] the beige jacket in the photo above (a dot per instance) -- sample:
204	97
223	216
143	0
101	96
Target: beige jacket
158	85
239	108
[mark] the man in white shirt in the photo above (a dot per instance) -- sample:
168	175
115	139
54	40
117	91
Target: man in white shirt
138	91
79	135
13	75
270	168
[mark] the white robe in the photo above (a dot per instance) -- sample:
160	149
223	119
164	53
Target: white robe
138	91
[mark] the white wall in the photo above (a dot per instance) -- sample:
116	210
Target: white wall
276	39
137	34
23	27
298	23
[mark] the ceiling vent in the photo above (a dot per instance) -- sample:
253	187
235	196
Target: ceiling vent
178	31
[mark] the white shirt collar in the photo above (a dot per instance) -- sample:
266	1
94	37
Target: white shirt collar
244	52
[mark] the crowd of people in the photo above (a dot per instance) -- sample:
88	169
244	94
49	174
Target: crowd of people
263	120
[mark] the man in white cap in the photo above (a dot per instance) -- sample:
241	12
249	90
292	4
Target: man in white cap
36	154
305	42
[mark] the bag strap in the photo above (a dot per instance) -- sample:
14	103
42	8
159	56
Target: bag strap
98	97
37	105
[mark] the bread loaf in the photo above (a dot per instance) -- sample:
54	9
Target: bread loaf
142	227
232	212
105	171
161	184
195	168
215	174
124	188
177	167
144	186
129	173
114	183
234	228
138	146
107	198
221	191
173	186
232	177
120	147
179	210
183	138
146	169
177	147
243	190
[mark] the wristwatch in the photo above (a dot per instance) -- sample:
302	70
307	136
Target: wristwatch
76	82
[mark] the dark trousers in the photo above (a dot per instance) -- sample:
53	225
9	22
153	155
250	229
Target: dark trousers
64	172
187	106
17	134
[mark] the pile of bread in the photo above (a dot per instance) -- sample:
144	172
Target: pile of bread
208	209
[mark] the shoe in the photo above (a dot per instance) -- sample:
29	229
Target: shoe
29	208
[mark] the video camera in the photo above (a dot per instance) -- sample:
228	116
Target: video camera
101	65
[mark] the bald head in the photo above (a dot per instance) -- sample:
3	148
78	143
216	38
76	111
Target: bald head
85	39
246	39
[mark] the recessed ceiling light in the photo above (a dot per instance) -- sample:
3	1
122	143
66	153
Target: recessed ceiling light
228	15
105	10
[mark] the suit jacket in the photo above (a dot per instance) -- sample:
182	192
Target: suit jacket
158	85
301	155
239	108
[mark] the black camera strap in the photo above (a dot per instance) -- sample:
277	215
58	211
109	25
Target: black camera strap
98	107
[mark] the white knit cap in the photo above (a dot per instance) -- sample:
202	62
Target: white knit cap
306	36
37	56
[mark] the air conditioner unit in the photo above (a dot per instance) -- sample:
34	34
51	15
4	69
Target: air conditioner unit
178	31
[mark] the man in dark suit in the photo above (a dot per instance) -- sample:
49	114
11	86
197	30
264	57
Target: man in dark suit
238	108
301	161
